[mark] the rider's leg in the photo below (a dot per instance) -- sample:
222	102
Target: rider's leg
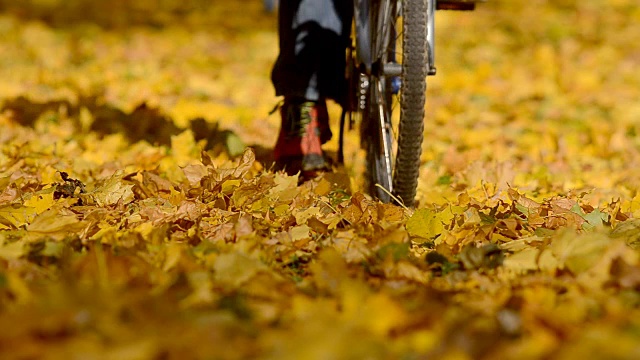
310	68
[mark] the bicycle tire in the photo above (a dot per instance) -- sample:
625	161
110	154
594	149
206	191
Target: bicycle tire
388	174
412	102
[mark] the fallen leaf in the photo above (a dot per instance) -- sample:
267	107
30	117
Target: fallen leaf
425	223
234	269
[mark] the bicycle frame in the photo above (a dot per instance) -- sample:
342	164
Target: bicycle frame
363	40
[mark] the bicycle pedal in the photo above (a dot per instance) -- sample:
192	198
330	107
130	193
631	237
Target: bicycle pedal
455	5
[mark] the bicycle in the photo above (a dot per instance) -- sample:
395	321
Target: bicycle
270	5
392	53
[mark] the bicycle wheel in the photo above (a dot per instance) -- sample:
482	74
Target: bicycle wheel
399	48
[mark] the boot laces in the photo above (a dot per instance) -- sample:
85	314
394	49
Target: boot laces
298	116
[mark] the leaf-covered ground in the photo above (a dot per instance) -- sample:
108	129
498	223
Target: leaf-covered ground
135	225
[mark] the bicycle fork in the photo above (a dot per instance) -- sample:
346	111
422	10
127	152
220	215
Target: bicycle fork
431	39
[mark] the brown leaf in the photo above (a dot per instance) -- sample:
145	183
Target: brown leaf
57	223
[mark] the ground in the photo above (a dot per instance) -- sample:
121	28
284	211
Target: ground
140	218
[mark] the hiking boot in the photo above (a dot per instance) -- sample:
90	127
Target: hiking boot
304	128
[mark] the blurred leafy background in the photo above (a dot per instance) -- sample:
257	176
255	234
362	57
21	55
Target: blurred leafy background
524	245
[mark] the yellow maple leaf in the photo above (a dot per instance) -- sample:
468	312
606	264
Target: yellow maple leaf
114	190
306	214
41	201
15	216
57	223
425	223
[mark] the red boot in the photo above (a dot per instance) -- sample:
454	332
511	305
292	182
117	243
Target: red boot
304	128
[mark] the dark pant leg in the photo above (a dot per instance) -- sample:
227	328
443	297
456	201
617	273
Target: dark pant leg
314	35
